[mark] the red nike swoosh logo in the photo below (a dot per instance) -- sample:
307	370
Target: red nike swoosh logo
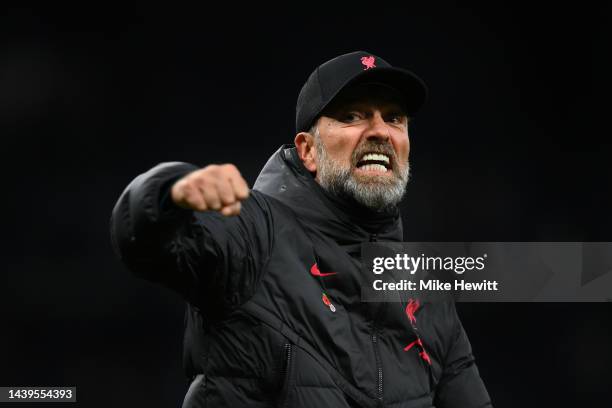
314	270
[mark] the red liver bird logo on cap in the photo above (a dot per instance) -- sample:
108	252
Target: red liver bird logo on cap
368	62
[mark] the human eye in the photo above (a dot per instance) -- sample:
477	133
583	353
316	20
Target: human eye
397	119
350	117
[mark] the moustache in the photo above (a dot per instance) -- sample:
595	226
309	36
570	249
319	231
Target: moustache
375	147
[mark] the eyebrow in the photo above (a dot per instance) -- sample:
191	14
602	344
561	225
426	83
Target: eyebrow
391	107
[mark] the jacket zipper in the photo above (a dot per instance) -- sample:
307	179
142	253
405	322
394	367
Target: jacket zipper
378	364
285	375
287	360
374	238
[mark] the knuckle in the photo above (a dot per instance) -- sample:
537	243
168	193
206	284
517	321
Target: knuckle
214	184
189	195
232	171
182	190
179	186
213	201
212	168
199	182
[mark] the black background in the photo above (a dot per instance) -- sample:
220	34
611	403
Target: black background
513	145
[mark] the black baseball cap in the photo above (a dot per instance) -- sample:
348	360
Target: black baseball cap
331	77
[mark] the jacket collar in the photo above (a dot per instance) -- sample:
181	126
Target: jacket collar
285	178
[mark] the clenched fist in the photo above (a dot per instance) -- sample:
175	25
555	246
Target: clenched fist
213	188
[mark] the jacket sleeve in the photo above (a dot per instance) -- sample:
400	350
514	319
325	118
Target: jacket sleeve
460	385
211	260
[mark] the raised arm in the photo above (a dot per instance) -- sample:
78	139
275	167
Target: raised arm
176	224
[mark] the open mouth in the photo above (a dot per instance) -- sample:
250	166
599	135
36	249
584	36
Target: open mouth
374	162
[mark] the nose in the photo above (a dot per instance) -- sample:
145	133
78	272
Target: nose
377	129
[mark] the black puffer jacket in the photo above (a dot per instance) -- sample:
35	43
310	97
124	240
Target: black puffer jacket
274	317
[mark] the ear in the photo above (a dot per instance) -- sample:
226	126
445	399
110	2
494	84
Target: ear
304	144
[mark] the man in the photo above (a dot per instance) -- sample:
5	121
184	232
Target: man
272	276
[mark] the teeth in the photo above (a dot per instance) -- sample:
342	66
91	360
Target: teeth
376	156
376	167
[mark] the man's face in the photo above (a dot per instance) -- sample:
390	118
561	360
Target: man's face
362	146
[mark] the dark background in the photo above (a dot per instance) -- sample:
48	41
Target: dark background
513	145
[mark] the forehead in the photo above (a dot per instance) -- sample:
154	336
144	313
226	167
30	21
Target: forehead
367	95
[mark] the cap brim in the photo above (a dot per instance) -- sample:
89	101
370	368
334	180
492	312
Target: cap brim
411	87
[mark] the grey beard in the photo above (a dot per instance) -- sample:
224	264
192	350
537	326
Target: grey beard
376	194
